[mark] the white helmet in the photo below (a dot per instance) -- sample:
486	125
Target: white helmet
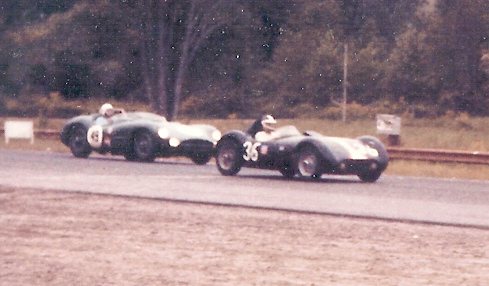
105	108
267	122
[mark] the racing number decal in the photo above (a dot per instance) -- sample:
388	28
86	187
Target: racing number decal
95	136
251	151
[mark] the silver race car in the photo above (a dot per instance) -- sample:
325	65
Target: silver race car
140	136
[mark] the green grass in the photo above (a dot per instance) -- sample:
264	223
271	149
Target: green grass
459	133
438	170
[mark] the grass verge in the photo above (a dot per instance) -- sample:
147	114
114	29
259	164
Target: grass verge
438	170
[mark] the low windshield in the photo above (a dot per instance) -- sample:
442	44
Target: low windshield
147	116
287	131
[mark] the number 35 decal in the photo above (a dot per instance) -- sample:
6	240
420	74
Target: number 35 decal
251	151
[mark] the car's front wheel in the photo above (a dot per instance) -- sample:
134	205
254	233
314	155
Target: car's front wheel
309	162
78	143
144	147
229	159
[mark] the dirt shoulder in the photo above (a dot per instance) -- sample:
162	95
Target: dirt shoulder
61	238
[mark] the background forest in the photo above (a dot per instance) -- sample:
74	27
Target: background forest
238	58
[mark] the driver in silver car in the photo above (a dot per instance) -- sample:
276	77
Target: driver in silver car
106	110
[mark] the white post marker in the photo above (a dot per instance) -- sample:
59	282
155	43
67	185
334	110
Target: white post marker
19	130
389	125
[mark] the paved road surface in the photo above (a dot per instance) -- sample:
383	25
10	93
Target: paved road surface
445	201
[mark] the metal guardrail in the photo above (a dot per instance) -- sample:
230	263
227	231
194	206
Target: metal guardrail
44	133
433	155
47	133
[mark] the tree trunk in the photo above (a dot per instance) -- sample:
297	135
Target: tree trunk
163	74
201	22
153	58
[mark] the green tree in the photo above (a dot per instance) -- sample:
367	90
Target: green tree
172	32
224	76
458	34
88	49
27	12
308	63
411	74
306	66
388	16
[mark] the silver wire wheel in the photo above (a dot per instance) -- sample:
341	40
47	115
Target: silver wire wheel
308	163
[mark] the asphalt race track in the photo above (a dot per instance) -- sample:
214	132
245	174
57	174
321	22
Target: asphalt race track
441	201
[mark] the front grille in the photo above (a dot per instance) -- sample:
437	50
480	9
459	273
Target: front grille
353	166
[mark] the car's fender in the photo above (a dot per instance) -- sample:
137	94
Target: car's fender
376	144
239	137
323	150
236	135
83	121
122	135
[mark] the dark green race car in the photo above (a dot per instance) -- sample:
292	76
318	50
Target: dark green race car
307	154
139	136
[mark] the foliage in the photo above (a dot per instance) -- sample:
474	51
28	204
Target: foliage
206	58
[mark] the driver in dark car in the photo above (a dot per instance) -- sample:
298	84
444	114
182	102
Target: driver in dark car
263	128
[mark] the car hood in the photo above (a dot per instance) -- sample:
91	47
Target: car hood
346	148
188	132
134	116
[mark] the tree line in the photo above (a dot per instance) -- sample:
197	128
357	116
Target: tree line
243	57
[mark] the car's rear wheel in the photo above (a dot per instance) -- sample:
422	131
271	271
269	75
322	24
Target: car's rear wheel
309	162
201	158
144	147
229	159
78	143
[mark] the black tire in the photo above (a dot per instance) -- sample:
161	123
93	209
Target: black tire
201	158
229	158
370	177
130	155
78	143
144	147
288	170
309	162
